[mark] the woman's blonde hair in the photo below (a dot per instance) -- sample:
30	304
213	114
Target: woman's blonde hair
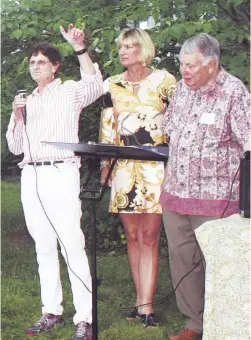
139	37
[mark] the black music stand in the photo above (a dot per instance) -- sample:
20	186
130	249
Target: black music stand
113	152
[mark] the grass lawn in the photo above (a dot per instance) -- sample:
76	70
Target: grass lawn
21	291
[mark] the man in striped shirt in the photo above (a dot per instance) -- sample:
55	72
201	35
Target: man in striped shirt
50	177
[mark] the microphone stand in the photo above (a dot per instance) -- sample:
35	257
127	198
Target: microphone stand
95	195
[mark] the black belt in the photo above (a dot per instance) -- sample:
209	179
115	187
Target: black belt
45	163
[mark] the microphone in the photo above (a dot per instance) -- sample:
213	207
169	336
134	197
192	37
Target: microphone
24	112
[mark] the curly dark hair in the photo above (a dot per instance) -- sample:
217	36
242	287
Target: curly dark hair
50	51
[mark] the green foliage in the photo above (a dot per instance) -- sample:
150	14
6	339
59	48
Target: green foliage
27	22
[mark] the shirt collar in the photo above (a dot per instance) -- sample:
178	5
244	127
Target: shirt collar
48	87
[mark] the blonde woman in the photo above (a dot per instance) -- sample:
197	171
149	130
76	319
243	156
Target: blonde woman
134	104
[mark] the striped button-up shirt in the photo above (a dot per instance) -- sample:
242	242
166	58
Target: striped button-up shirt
53	116
207	134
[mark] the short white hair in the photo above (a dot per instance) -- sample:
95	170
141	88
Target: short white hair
205	44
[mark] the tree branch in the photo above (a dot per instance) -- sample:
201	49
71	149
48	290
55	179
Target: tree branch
233	14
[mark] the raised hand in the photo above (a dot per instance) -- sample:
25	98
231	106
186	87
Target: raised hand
73	35
75	38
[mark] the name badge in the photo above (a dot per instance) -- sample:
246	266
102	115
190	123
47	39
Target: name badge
207	118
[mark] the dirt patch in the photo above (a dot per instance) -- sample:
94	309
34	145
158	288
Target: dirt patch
20	238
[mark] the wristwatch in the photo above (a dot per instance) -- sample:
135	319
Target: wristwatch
84	50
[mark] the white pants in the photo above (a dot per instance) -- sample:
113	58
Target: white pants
58	187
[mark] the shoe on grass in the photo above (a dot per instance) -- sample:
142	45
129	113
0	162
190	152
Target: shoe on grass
149	320
83	331
46	322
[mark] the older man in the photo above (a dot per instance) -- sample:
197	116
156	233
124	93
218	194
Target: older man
50	178
208	123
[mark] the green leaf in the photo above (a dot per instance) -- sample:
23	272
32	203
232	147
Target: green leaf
34	17
190	29
95	42
65	49
118	69
63	23
22	17
32	32
82	25
109	35
23	66
78	22
155	14
232	35
97	31
107	63
113	51
168	22
235	2
207	27
16	34
240	38
47	3
9	25
101	45
165	34
33	23
57	17
56	27
175	32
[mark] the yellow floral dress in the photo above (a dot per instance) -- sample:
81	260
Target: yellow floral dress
130	118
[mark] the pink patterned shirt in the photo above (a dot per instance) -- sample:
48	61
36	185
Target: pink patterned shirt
207	134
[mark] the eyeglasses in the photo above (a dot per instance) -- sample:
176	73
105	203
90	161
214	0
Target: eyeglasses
39	63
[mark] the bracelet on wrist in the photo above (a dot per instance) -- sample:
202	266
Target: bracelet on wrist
84	50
